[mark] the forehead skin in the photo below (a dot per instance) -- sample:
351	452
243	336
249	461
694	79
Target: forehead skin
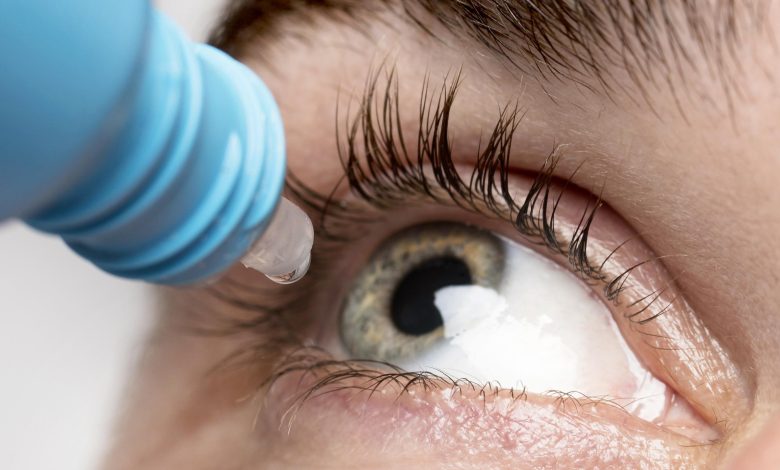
689	158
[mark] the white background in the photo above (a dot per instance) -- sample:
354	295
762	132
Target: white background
69	334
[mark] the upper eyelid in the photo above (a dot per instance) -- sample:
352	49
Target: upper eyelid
379	169
381	172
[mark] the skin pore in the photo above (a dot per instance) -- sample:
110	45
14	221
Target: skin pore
673	122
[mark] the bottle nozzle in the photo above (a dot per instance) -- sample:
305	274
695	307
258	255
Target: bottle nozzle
283	252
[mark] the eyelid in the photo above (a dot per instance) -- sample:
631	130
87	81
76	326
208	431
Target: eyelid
468	422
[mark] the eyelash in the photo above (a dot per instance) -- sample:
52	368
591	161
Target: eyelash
386	177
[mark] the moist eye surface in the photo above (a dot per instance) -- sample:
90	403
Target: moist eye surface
452	298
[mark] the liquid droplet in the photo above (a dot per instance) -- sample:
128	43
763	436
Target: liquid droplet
293	276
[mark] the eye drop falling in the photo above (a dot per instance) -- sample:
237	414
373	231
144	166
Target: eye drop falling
283	252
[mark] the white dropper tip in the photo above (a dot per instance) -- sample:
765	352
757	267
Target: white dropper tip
283	252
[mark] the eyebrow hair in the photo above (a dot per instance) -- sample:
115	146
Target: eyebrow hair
654	43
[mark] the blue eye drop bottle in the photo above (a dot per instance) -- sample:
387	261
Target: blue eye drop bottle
152	157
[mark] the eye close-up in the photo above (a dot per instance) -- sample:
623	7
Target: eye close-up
458	301
392	234
539	302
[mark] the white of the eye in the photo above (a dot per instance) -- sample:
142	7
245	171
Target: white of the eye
543	330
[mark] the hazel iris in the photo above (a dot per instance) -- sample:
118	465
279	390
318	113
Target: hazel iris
389	313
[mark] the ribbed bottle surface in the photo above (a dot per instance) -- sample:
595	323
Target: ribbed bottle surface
64	66
191	179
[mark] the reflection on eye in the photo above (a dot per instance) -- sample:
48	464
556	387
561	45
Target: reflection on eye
459	300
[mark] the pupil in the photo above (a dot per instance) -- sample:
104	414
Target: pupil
412	308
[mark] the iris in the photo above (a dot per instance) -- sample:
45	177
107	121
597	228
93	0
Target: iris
389	313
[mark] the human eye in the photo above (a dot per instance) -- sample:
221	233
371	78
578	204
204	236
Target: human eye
454	299
453	292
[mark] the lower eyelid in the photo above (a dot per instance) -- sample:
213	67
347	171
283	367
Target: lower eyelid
465	422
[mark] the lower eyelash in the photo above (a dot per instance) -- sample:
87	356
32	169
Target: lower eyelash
328	375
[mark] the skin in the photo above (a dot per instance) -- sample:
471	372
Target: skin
696	178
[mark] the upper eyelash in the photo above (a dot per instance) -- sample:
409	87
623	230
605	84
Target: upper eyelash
380	170
387	175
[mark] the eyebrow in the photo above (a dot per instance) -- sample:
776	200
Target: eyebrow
585	42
